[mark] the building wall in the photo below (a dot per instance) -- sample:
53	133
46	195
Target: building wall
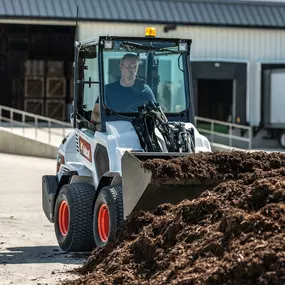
214	43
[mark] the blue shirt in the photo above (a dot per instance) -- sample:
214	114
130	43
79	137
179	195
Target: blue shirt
120	98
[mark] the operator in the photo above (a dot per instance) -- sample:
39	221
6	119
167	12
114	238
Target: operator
128	93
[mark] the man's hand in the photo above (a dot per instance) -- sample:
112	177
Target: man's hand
95	113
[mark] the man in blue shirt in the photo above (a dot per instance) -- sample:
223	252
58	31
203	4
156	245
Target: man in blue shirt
127	94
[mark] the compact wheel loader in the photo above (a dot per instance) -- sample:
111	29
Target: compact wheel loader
99	177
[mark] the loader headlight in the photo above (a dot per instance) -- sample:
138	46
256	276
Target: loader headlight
108	44
183	46
59	161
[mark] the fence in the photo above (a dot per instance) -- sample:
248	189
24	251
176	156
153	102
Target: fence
52	131
33	126
215	128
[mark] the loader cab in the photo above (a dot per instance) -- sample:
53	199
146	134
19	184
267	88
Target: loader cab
162	74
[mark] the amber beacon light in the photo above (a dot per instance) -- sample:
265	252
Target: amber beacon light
150	32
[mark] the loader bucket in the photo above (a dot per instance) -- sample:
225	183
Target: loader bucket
142	192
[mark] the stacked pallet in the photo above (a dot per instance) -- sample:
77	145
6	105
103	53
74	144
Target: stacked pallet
34	87
55	90
45	88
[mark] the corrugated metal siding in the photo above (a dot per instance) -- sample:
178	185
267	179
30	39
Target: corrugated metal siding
214	43
229	13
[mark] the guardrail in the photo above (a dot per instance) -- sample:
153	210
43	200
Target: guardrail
33	126
212	132
30	125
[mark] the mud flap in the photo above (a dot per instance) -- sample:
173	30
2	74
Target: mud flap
141	192
49	190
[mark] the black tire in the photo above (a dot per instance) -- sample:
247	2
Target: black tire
111	198
77	236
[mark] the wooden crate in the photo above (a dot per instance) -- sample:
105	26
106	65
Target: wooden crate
35	68
56	87
55	68
35	106
34	87
55	109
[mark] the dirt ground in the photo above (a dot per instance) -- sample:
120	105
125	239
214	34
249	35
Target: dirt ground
233	234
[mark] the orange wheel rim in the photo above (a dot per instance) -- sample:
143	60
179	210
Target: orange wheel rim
103	223
63	218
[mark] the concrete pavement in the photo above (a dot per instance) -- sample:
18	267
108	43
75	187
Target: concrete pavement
29	253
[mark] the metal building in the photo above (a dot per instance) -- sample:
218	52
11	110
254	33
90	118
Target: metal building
238	49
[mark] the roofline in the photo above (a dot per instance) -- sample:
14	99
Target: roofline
36	21
242	2
238	2
72	22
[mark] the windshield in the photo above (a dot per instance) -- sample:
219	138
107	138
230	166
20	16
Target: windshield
137	71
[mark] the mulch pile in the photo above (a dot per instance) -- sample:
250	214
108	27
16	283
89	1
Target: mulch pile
232	234
219	165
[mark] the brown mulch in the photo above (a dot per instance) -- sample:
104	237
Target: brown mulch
232	234
219	165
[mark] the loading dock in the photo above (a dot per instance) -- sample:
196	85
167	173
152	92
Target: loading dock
221	90
216	99
36	68
273	100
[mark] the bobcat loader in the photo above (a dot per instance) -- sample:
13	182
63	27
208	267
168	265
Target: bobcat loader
99	179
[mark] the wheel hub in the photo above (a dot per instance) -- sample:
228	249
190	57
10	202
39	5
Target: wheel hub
63	218
103	223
